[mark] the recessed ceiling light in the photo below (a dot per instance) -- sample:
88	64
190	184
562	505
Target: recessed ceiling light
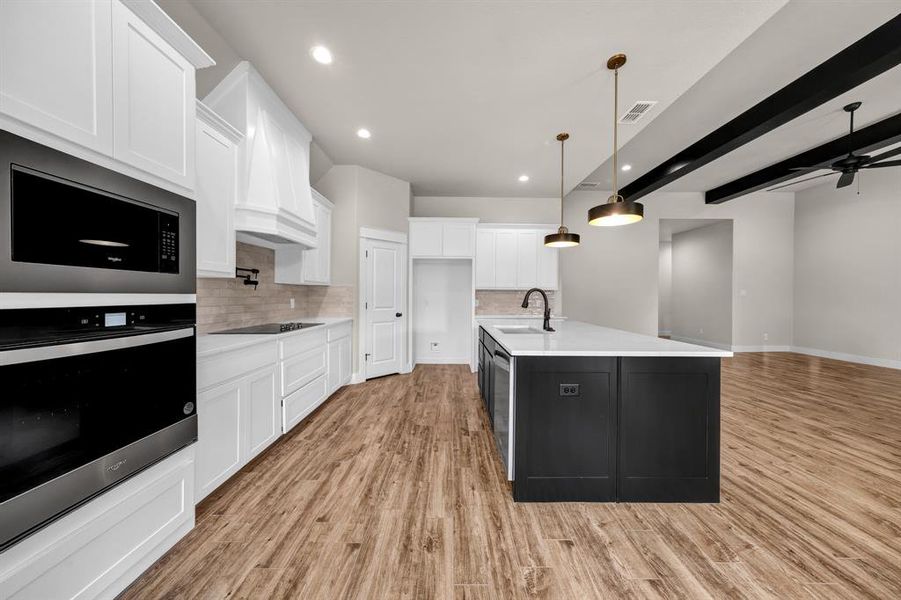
364	133
626	167
321	54
523	178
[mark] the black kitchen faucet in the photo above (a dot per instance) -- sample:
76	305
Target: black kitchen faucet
547	307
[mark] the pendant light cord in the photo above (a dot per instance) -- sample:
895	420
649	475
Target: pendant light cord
562	143
615	105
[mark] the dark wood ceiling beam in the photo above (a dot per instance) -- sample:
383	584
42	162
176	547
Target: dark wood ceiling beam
873	54
863	141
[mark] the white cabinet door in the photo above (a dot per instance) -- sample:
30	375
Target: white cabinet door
505	259
547	265
334	366
458	240
56	68
527	259
154	103
317	262
262	414
485	240
219	436
345	361
217	165
426	238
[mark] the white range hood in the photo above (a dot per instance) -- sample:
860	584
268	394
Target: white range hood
274	204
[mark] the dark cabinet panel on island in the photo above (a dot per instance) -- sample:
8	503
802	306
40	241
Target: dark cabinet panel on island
565	429
669	429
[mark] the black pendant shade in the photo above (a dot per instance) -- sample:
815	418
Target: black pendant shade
615	212
562	239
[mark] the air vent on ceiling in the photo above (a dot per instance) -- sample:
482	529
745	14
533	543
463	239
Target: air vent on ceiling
637	111
588	185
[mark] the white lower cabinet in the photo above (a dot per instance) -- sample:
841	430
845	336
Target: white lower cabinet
238	412
98	549
248	397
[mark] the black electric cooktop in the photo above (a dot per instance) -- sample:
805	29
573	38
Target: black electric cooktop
270	328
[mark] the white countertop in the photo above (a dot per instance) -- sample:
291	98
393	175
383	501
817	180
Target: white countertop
210	344
575	338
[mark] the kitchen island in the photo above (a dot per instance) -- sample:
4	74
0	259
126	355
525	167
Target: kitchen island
589	413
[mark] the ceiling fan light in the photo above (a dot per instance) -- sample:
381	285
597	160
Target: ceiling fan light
616	213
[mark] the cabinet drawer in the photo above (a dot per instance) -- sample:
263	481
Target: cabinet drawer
299	370
336	332
304	401
223	367
304	342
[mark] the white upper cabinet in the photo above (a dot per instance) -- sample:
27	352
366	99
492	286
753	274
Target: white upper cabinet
153	101
56	68
109	81
295	264
515	258
215	191
275	202
442	237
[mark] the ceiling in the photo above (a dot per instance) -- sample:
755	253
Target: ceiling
756	69
463	97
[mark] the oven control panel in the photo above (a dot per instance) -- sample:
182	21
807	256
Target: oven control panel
100	318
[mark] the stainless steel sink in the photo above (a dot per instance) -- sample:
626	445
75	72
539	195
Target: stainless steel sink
520	329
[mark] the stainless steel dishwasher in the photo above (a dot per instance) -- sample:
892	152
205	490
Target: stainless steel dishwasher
502	405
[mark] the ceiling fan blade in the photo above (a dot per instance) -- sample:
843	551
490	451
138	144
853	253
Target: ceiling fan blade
806	168
845	180
883	156
790	183
888	163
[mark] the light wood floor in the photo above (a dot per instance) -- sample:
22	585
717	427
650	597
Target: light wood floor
393	490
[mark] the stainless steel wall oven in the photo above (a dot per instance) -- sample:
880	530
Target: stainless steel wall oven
90	397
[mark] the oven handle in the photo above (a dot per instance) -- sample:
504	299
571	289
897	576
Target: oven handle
24	355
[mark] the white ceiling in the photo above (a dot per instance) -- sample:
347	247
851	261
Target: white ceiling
756	69
463	97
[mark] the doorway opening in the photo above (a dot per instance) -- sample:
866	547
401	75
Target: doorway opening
695	282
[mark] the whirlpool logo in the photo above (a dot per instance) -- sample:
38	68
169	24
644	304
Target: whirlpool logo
115	466
114	259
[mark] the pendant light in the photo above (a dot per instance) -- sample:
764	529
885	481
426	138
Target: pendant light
563	238
617	210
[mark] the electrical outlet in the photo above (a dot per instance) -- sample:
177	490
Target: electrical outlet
434	346
766	337
701	330
292	303
569	389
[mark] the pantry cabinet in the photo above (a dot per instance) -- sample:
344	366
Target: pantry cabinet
215	191
515	258
442	237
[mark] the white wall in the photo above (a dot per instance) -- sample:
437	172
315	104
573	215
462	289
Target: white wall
665	288
489	210
847	297
702	285
442	311
612	278
383	202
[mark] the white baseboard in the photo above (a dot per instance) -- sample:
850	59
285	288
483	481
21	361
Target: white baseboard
444	360
854	358
707	343
761	348
357	378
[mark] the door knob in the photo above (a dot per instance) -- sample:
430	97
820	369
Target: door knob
398	314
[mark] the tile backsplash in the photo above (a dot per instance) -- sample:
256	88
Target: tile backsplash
227	303
509	302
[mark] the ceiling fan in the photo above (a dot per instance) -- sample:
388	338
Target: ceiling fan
848	166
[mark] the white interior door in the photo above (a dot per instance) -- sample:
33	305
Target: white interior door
384	307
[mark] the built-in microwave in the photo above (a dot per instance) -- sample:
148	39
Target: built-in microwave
67	225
